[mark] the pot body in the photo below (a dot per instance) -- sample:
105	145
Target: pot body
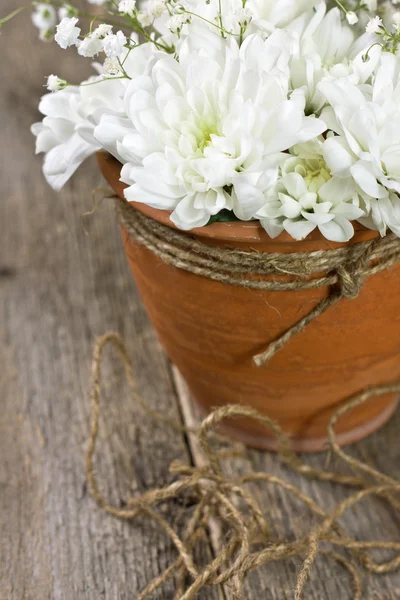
212	330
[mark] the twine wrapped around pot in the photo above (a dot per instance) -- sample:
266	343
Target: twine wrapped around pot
344	269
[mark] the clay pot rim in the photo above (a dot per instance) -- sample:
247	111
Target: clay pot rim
238	231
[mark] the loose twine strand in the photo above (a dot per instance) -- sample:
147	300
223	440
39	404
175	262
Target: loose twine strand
343	268
215	495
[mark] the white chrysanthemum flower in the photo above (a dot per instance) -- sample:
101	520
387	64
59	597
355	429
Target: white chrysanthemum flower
114	44
211	126
66	133
266	14
279	14
328	49
67	33
367	145
307	197
44	17
70	116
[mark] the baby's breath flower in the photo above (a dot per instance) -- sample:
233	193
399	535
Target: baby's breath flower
90	46
111	67
396	19
243	16
176	22
127	7
102	30
67	32
144	18
55	84
113	44
374	25
67	11
46	35
44	17
351	17
158	8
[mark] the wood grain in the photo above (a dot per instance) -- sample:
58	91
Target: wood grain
63	281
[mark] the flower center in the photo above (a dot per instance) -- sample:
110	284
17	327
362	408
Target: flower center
314	172
206	127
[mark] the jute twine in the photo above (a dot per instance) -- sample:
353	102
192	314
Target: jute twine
342	269
249	543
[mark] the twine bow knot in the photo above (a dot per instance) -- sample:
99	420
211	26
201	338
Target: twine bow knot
348	266
350	279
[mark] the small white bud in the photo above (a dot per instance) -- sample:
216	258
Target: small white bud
55	84
243	16
351	17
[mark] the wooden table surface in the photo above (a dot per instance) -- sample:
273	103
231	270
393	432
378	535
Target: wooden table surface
63	281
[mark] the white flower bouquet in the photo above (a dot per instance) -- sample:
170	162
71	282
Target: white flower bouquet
281	111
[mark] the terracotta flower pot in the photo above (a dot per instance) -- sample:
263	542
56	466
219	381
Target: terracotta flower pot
211	331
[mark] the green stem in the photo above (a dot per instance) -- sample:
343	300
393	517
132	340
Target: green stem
16	12
99	81
127	54
242	30
366	55
221	29
123	70
221	25
340	5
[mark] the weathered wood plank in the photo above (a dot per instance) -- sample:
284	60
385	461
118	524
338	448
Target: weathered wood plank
61	285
